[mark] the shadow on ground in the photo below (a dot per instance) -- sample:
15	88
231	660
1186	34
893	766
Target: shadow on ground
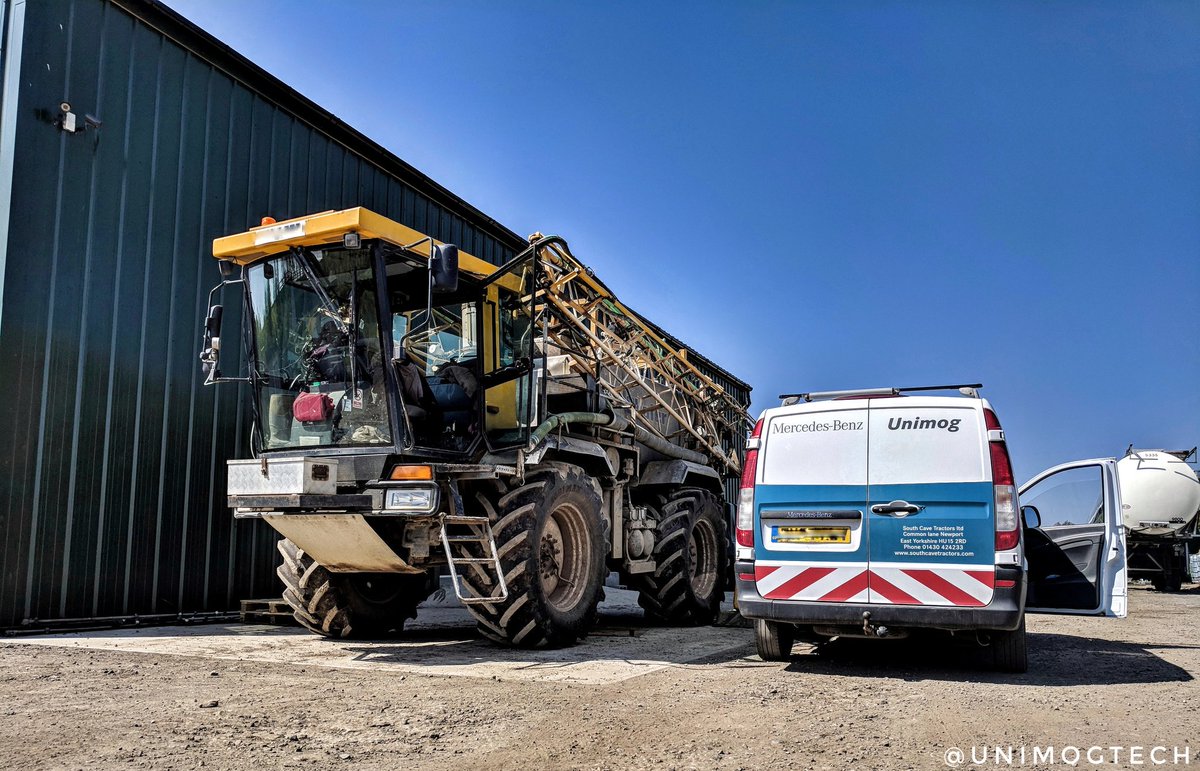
1054	660
619	637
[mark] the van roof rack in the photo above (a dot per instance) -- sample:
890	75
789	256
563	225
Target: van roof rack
966	389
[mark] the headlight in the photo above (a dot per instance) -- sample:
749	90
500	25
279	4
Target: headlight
411	499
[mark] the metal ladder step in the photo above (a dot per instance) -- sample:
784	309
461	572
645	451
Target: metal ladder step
484	539
463	519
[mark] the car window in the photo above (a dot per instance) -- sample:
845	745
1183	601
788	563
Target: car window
1074	496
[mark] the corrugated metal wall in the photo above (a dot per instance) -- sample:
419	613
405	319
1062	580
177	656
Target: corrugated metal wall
111	468
111	451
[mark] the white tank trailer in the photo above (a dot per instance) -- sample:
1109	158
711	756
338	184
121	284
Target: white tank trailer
1160	498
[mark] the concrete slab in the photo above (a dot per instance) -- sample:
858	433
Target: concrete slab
442	641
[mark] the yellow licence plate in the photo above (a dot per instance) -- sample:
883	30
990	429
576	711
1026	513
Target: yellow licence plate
809	534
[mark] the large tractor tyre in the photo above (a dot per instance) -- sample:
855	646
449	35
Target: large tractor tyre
552	541
349	604
690	560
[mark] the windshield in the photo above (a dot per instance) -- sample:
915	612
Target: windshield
320	376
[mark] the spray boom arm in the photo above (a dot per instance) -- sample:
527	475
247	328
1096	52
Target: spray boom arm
636	368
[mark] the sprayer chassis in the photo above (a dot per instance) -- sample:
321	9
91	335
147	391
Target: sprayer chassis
413	537
659	524
417	410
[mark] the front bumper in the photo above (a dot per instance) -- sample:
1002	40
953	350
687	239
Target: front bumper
1003	613
252	506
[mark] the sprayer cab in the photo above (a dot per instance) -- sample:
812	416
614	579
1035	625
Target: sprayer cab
364	334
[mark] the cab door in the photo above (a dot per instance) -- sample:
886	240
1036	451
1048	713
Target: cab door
931	519
1074	540
507	331
810	497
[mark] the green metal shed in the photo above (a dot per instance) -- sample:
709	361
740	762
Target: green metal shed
129	139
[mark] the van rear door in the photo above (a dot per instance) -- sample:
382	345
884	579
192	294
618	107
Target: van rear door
930	519
810	503
1074	540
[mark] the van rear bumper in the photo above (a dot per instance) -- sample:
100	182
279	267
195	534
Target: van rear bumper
1004	612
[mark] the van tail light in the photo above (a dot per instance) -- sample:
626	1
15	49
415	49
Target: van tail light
745	509
1008	522
1008	531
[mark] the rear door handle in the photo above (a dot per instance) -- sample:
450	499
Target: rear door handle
896	508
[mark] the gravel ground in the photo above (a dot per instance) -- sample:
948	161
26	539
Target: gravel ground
855	705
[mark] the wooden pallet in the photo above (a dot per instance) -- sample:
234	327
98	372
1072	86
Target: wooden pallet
275	612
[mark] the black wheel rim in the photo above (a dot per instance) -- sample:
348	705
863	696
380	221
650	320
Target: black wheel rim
703	558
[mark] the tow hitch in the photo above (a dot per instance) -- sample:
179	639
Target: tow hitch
876	631
869	629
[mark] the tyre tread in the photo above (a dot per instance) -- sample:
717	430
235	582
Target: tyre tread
521	620
1009	650
320	601
666	595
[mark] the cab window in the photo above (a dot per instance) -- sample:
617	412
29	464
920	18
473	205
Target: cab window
515	327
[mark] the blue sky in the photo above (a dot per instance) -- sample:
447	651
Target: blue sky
823	195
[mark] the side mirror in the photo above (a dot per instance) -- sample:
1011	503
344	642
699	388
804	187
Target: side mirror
210	353
1031	517
443	268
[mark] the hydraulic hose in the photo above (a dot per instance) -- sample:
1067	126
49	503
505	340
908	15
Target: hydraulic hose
656	443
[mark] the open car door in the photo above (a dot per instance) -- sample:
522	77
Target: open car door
1074	540
507	330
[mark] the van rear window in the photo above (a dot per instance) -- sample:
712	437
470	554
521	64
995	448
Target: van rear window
816	448
913	445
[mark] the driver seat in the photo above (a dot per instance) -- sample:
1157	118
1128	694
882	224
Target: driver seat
419	403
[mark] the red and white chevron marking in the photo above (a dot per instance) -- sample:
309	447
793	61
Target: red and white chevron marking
823	583
962	586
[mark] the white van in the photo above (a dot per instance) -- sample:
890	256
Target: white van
874	512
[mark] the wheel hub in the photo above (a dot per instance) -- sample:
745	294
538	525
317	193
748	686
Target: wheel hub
564	557
550	560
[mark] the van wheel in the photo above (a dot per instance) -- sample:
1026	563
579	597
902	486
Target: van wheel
551	538
1009	653
773	640
690	557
